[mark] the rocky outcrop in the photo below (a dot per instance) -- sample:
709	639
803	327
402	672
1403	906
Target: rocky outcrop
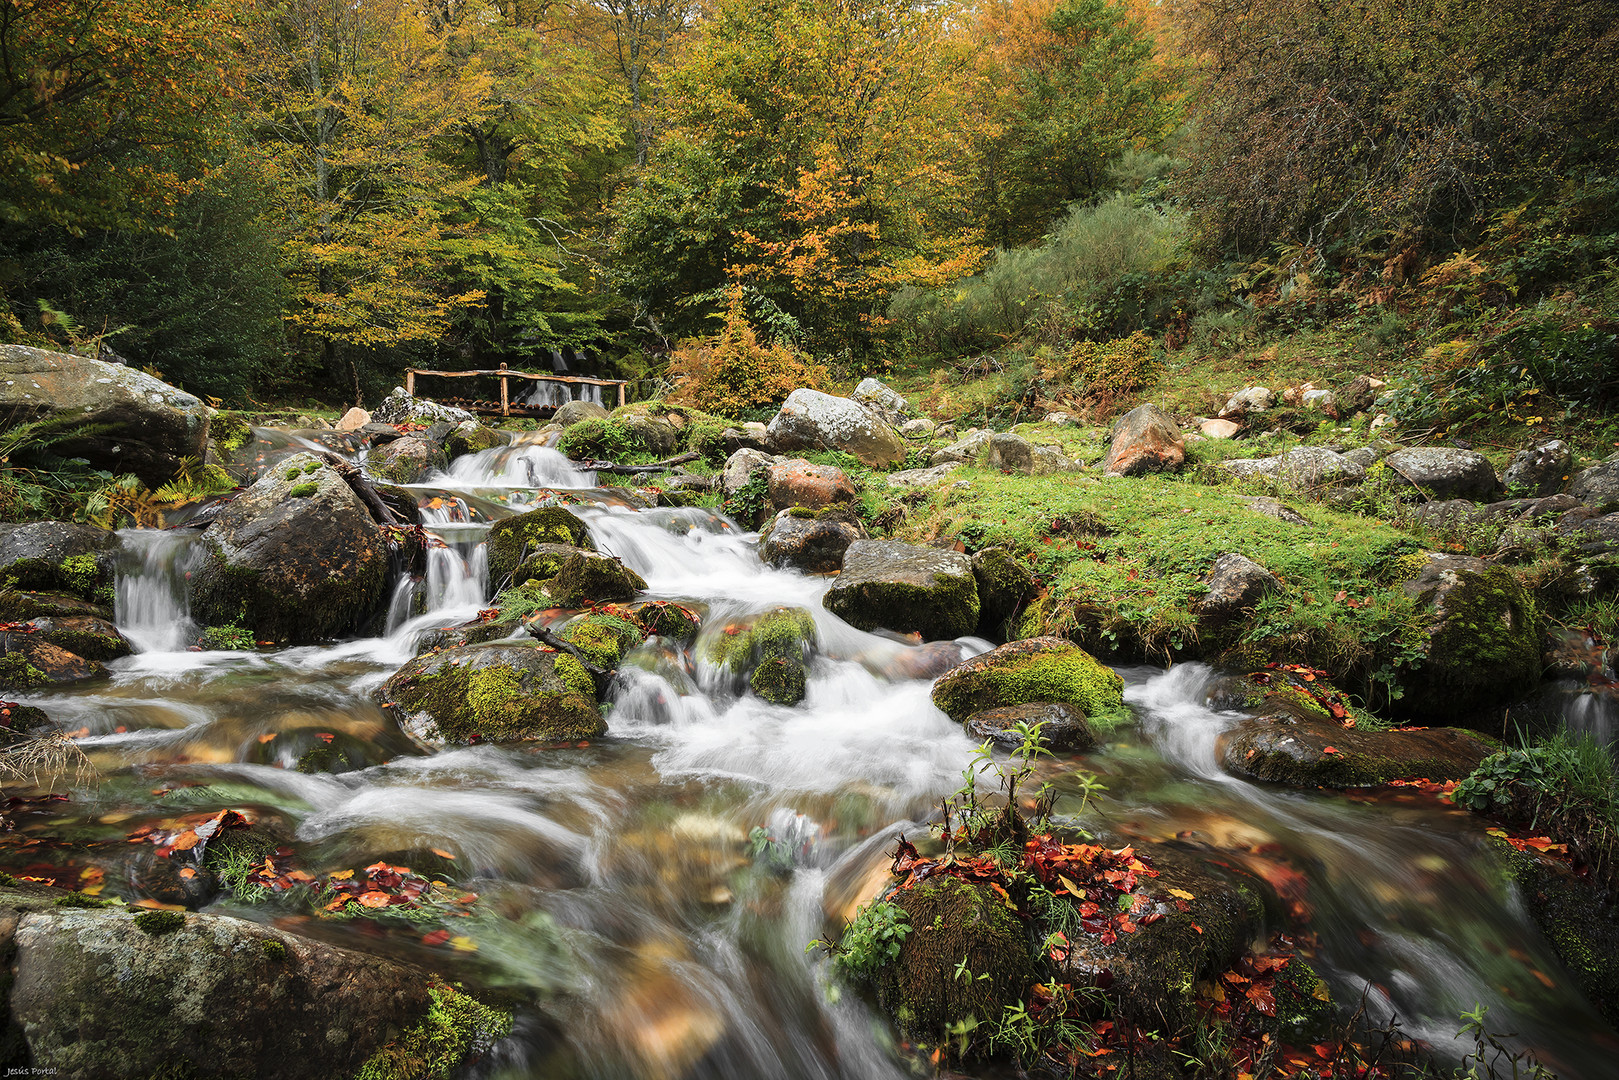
143	425
497	692
1442	472
1145	439
406	460
811	420
1045	669
1598	486
810	541
882	400
893	586
296	558
52	556
107	992
798	483
1309	752
964	450
768	651
1015	454
1481	644
1004	585
1305	467
400	408
923	478
740	467
1253	399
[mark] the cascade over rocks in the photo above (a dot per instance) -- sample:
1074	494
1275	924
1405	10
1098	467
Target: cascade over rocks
1045	669
1442	472
149	427
1481	644
905	588
497	692
812	542
1311	752
811	420
769	651
296	558
93	994
1145	439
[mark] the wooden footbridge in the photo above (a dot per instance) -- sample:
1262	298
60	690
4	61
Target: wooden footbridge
505	374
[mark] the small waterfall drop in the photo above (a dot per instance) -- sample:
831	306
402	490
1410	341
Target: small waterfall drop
1595	714
151	603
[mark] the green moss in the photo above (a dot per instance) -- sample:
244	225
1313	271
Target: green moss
511	539
573	675
497	702
158	923
780	634
588	578
455	1028
802	513
80	900
955	926
1569	912
317	759
89	644
80	575
303	491
667	619
1487	647
778	681
603	638
274	951
481	438
292	473
1017	676
16	673
229	431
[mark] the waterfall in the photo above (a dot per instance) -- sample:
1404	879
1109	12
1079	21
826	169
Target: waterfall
1592	713
152	606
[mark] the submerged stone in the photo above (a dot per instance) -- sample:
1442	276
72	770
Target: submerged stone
1306	752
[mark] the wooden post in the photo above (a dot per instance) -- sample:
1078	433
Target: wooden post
410	382
505	408
621	395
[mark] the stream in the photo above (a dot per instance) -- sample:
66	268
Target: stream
616	890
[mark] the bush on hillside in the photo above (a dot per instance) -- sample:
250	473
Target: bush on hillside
732	372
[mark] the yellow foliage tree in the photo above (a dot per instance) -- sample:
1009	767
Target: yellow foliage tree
731	371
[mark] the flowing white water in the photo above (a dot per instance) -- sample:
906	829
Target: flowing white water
620	903
151	603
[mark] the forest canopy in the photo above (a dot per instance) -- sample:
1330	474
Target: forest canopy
267	199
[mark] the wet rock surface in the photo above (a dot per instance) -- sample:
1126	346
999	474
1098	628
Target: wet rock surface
1043	669
494	692
1301	752
905	588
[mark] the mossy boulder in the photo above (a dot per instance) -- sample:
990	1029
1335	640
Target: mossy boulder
17	606
1579	926
513	539
1004	584
1482	640
499	691
1045	669
97	994
955	922
1312	752
1153	972
406	460
28	661
667	619
588	578
85	635
58	556
1062	727
472	437
905	588
770	650
293	570
542	563
604	637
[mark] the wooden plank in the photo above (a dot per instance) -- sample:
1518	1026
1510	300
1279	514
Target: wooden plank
410	374
410	383
505	400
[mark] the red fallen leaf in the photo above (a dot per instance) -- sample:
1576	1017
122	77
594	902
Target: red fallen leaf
185	841
1108	936
1126	925
468	898
441	853
158	905
325	736
437	937
339	902
375	899
1264	998
1088	909
187	872
1341	597
1329	750
1196	927
1150	919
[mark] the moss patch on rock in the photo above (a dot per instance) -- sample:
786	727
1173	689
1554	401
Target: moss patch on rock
777	643
588	578
512	539
456	1029
603	637
955	924
1483	638
494	692
1036	669
667	619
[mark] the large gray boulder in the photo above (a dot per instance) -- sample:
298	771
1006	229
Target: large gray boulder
1598	486
57	556
571	412
1539	471
739	468
1443	472
400	408
1145	439
501	691
1236	584
1304	467
145	426
104	993
963	451
811	420
883	400
1015	454
296	558
908	589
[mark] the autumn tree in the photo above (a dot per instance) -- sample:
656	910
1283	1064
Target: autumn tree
1060	89
350	102
1400	120
638	39
105	107
809	152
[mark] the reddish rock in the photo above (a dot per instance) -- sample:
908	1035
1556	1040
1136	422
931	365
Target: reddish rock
1144	440
798	483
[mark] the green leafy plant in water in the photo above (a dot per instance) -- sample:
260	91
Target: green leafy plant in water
1493	783
767	851
871	941
1490	1059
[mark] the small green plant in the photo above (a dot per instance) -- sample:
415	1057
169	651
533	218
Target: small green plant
765	850
230	637
1490	1059
273	950
750	502
869	942
1500	777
